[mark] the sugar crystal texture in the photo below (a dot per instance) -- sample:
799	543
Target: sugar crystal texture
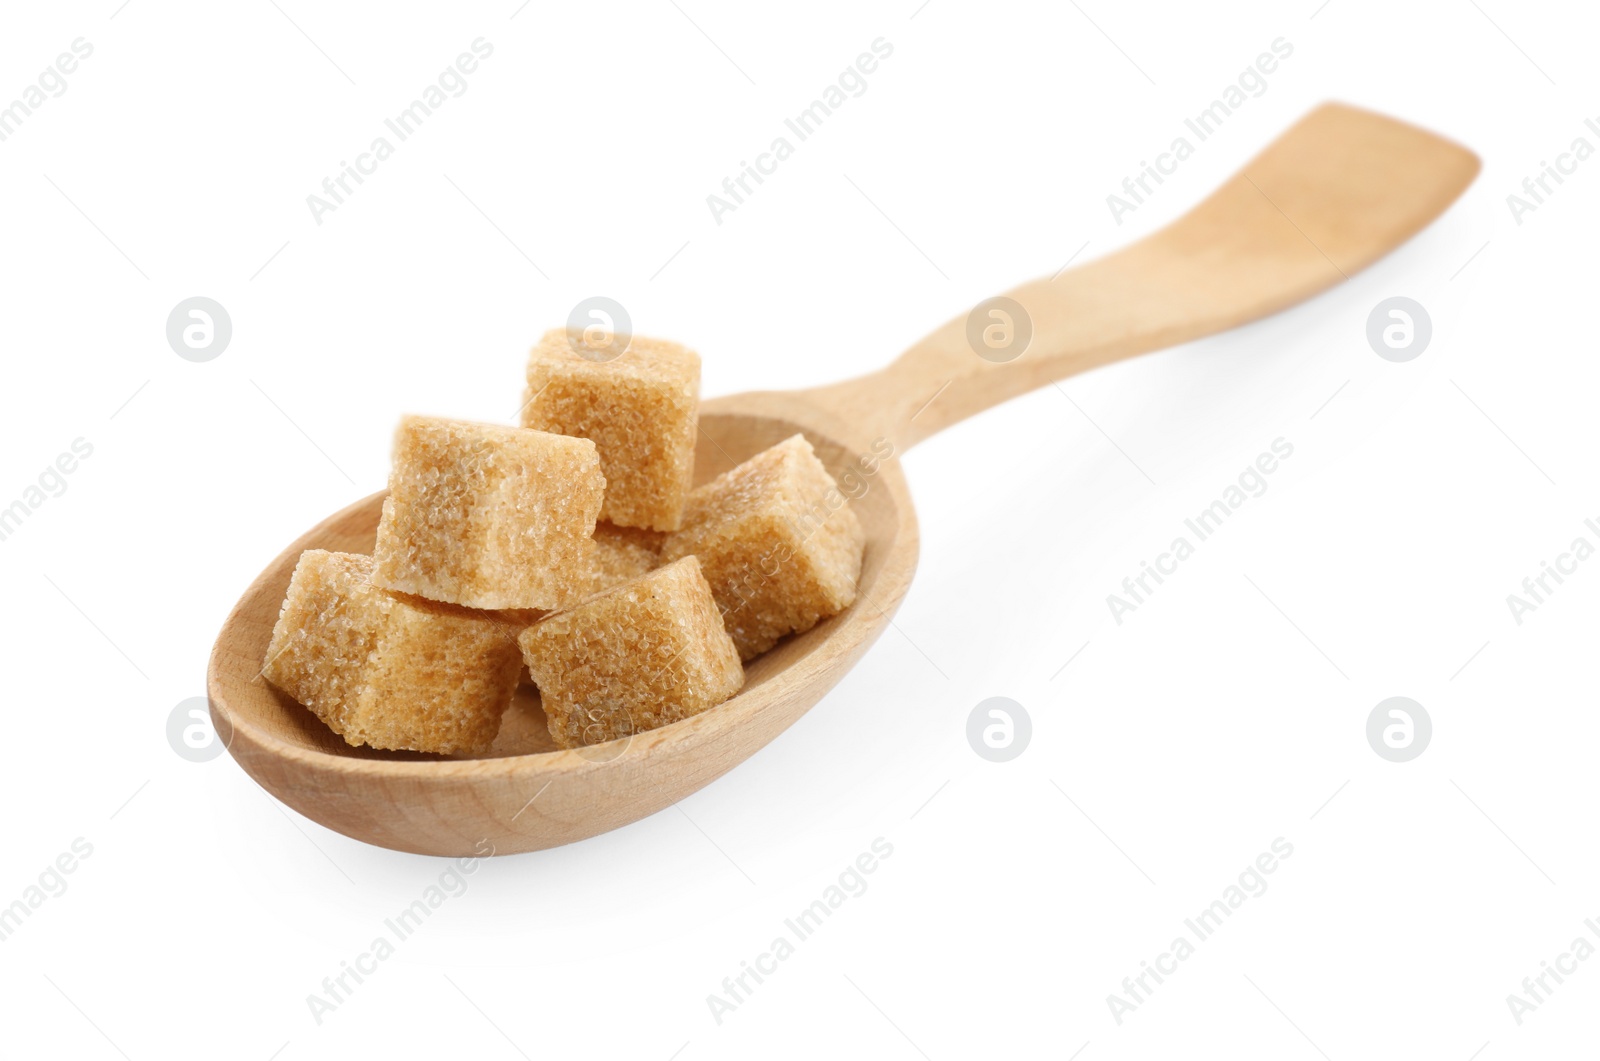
487	516
643	654
778	542
622	553
387	670
640	408
619	554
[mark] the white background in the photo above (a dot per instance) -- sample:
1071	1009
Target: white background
1173	749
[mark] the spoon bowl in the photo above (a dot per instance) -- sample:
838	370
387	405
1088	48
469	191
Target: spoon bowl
1334	193
525	793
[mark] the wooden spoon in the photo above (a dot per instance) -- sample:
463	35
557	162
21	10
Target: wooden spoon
1337	191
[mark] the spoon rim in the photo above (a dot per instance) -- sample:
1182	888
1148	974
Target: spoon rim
855	631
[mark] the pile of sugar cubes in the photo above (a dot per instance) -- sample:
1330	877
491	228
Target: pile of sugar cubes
573	545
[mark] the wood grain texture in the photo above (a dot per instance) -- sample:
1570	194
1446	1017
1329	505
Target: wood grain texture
1333	194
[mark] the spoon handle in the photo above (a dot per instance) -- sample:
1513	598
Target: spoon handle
1334	193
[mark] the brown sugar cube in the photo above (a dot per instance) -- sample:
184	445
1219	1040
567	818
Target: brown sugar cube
488	516
640	407
622	553
619	554
778	543
640	655
514	621
390	671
